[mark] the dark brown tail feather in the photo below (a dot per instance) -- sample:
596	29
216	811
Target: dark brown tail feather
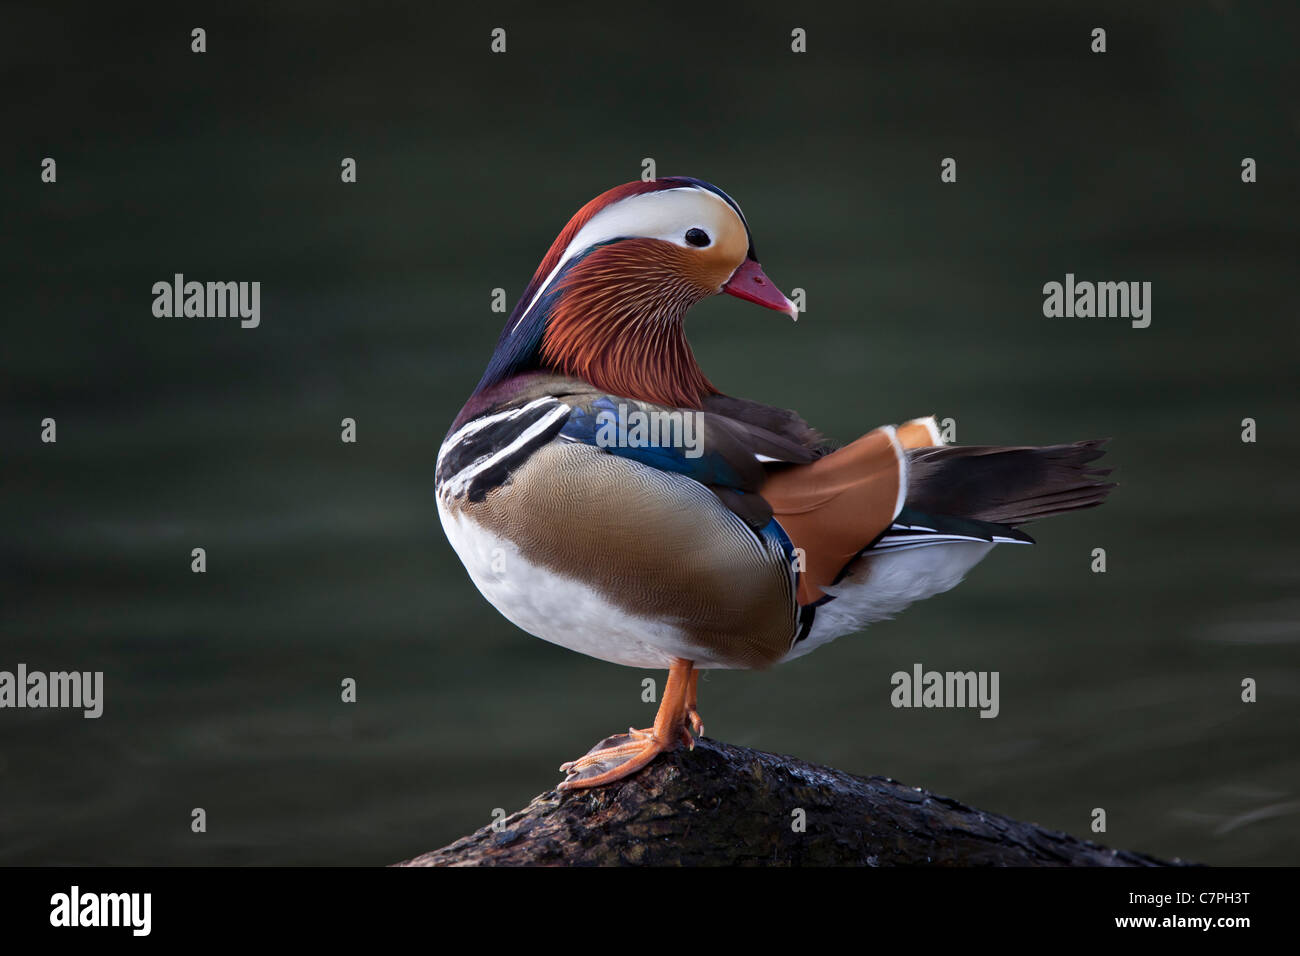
1007	485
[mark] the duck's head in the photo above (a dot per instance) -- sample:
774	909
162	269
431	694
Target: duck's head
607	302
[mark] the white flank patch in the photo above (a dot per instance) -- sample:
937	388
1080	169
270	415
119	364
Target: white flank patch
887	583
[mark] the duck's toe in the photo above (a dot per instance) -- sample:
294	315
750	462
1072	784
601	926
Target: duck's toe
614	758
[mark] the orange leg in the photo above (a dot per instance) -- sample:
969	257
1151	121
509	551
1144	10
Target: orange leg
693	706
624	754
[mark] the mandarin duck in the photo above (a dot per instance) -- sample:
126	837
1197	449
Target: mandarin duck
734	535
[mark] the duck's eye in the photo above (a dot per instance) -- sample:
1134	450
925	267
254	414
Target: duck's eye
697	237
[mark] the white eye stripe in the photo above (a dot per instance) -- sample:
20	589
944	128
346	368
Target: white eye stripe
665	214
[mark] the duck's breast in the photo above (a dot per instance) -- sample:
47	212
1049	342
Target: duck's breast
624	562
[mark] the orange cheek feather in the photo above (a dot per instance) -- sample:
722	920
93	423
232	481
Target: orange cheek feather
618	324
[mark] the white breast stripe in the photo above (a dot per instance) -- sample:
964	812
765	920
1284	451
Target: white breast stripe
479	424
457	484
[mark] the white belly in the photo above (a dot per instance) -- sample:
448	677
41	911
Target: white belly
560	609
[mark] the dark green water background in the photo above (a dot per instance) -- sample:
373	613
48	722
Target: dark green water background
1118	690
